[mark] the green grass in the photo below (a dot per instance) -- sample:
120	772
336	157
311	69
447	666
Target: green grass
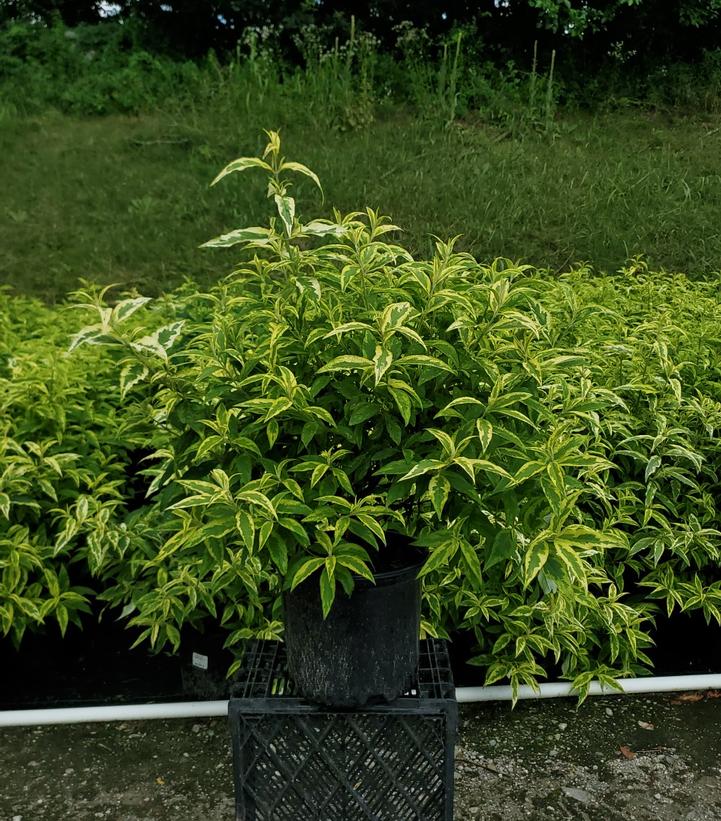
126	199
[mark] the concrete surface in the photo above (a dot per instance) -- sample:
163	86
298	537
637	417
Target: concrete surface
544	760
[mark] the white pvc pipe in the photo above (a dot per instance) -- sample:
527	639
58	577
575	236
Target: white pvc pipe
465	695
559	689
117	712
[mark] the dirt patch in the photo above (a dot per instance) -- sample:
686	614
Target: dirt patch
612	759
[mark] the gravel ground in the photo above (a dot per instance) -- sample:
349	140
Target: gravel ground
613	759
545	760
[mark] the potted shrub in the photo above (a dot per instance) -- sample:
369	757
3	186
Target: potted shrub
325	411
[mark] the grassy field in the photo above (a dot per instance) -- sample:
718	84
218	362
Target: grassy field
126	199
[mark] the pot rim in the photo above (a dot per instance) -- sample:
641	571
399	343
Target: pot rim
416	559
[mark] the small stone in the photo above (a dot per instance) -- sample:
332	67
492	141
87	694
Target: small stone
609	711
196	728
562	725
578	794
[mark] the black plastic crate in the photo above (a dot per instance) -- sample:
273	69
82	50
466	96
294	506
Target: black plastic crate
305	762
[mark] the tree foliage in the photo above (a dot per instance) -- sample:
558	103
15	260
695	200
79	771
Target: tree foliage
581	30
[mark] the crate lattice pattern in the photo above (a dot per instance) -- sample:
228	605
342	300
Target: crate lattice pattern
263	672
304	762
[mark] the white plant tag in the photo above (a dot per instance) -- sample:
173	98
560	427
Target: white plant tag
200	661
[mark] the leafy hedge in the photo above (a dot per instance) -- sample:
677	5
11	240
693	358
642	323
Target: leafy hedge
552	441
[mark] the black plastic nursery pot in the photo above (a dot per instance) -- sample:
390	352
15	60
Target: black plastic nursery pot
366	650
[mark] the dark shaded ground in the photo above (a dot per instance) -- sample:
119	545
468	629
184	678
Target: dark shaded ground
543	760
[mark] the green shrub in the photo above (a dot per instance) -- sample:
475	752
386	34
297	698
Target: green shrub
551	441
332	393
655	339
64	468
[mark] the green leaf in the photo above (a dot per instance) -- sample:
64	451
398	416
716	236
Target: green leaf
286	211
459	402
440	556
95	335
527	471
466	464
61	614
347	327
382	360
255	234
321	228
449	446
127	307
308	431
265	531
246	527
502	549
302	169
304	570
271	431
428	361
327	591
536	557
403	403
254	497
438	489
372	525
167	335
278	406
242	164
131	374
342	478
356	565
423	467
473	564
296	528
572	561
485	433
652	466
362	412
278	552
491	467
394	429
318	473
395	315
206	447
347	363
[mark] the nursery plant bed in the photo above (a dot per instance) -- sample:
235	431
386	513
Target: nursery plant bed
95	666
